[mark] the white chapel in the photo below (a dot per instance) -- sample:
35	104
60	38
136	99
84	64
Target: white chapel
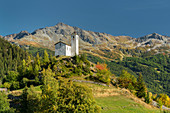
61	48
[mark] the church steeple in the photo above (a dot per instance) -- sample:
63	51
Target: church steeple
74	44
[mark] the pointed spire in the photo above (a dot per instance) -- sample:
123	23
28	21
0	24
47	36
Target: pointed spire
74	33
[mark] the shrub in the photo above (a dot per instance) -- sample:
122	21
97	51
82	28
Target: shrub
103	74
7	85
4	104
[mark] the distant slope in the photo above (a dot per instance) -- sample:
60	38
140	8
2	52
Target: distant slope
35	50
155	70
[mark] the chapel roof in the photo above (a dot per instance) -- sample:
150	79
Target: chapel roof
62	42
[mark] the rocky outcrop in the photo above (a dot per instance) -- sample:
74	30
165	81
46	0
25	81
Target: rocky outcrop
151	36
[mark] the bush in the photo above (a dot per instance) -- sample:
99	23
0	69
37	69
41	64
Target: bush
59	96
15	85
103	74
7	85
4	104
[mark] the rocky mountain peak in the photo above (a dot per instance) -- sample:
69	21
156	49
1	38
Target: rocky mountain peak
22	34
150	37
26	32
60	25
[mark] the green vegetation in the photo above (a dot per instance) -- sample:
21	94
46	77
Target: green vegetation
55	91
11	57
155	70
121	104
4	104
34	50
58	96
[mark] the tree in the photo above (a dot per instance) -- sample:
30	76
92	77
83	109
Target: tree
37	61
164	99
103	73
12	76
46	57
59	96
4	104
24	101
148	98
141	87
75	98
127	80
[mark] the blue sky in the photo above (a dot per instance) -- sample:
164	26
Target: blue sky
117	17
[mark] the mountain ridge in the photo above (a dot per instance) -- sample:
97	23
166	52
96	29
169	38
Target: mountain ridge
95	42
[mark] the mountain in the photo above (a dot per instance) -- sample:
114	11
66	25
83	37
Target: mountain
102	44
154	41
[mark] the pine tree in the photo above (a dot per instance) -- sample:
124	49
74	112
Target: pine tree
37	61
45	58
24	101
141	87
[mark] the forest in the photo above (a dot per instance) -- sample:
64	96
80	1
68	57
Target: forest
145	78
155	70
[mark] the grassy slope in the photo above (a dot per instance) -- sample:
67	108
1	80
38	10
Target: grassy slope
121	104
112	100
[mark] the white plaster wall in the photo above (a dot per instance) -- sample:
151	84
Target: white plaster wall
68	50
77	45
74	45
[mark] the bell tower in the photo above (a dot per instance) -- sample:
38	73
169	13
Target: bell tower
74	44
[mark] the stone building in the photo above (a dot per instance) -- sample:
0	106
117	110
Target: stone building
61	48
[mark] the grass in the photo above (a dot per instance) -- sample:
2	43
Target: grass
36	88
111	99
121	104
19	92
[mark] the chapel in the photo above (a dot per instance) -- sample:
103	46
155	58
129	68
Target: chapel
62	48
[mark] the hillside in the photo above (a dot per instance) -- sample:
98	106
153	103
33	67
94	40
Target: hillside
102	44
111	99
155	70
71	72
11	58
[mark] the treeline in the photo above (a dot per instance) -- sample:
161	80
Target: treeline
34	50
155	70
11	57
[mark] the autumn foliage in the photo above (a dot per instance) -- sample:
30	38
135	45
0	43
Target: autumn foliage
103	73
101	66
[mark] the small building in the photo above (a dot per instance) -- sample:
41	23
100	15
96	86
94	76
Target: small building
61	48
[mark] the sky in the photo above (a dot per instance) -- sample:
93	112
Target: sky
133	18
